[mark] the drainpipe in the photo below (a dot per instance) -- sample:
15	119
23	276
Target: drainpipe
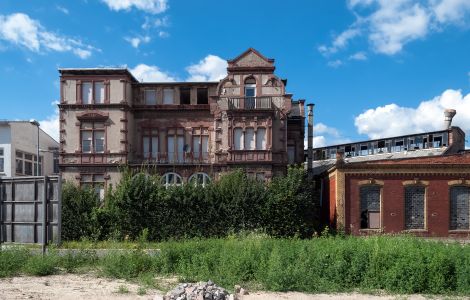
310	141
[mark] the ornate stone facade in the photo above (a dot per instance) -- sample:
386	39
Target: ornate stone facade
246	120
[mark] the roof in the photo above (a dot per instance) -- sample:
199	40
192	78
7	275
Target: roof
97	71
7	122
431	154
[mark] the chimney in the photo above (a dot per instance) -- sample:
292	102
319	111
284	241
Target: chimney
449	114
310	140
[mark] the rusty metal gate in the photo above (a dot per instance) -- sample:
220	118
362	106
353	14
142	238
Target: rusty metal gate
23	216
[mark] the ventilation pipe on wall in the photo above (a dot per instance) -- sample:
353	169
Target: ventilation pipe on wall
449	115
310	140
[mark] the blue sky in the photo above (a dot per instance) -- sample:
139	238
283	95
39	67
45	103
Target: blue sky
372	67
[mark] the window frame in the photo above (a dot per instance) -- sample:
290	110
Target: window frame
93	183
200	132
93	130
165	179
172	93
206	178
2	160
424	187
206	98
93	92
155	96
380	190
20	157
150	132
451	205
186	90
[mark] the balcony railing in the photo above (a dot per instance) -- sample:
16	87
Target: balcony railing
250	103
177	157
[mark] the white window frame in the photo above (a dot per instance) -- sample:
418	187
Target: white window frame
205	178
166	179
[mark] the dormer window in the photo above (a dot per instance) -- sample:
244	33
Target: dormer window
93	92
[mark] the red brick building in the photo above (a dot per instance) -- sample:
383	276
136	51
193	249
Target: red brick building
421	191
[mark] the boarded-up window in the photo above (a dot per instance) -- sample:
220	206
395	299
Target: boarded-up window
414	207
261	138
460	207
237	138
249	139
370	206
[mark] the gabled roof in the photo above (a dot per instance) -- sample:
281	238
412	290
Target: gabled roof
251	50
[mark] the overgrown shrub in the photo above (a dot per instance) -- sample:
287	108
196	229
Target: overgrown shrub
12	260
77	212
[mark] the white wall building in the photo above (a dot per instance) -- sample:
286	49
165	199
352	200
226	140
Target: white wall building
18	150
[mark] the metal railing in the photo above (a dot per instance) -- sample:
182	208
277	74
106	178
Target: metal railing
250	103
177	157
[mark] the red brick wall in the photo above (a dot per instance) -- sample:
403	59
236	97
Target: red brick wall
437	204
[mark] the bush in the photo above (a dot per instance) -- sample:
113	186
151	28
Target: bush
39	265
77	212
11	261
126	265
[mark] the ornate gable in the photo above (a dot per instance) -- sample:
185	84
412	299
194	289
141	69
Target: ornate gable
251	60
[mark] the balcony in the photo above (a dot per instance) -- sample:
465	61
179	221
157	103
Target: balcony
177	158
250	103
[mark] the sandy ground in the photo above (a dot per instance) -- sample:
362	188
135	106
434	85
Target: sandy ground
69	286
90	287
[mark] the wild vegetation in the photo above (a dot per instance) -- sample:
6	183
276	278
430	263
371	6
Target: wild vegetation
234	203
324	264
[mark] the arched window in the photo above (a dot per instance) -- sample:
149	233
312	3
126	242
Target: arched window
199	179
250	87
171	179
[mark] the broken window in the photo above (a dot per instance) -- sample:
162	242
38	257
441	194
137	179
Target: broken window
414	207
437	141
370	206
381	146
460	208
185	95
364	150
202	96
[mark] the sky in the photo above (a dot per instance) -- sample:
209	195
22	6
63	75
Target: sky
373	68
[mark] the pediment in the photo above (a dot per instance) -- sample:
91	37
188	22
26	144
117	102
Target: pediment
93	115
251	58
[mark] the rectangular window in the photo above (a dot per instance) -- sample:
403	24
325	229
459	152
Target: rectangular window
237	138
99	92
414	207
460	208
249	139
370	207
150	143
185	95
87	93
168	96
93	137
56	161
291	155
202	96
261	138
2	161
200	143
175	145
150	97
26	164
95	182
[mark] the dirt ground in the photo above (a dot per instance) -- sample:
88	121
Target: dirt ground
90	287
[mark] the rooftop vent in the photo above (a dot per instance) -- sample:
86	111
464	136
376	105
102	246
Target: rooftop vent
449	115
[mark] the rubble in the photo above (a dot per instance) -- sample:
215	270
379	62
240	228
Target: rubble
198	291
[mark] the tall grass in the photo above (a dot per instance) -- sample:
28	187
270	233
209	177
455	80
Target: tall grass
335	264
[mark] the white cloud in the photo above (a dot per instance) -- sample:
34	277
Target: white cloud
396	23
21	30
149	6
358	56
322	128
393	120
62	9
325	135
211	68
389	25
450	10
335	63
340	42
51	124
148	73
137	40
157	22
163	34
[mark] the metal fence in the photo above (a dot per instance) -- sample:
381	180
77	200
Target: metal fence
23	216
